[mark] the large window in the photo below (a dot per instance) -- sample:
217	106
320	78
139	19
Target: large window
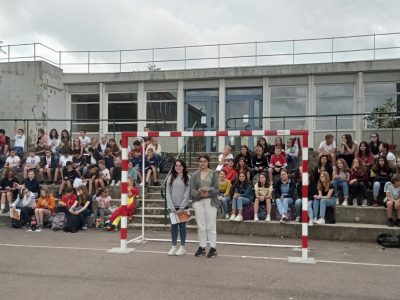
122	112
161	106
334	100
288	101
85	112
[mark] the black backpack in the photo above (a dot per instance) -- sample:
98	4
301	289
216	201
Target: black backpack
73	223
388	241
330	215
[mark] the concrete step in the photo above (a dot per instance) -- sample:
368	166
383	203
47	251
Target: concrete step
365	215
157	219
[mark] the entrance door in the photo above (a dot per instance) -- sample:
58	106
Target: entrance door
201	110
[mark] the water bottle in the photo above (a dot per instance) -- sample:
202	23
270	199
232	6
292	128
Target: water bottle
33	224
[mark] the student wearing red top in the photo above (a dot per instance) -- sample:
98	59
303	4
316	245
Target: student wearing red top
365	155
230	171
277	163
67	200
359	177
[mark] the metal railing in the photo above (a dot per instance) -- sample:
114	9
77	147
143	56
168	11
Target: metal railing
273	52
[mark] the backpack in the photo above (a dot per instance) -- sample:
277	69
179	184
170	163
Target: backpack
248	212
58	221
289	214
388	241
330	215
72	224
220	212
262	214
17	223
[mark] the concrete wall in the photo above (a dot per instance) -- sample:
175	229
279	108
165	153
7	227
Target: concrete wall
30	90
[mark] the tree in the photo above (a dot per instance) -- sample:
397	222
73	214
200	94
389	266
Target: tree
153	67
383	116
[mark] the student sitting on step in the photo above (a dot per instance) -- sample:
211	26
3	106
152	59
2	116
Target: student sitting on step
284	192
324	198
359	178
392	200
380	174
277	163
340	178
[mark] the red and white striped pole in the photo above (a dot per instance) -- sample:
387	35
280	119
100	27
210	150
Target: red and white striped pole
304	199
124	194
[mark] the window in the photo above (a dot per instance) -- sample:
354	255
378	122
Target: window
161	106
288	101
122	112
85	112
334	100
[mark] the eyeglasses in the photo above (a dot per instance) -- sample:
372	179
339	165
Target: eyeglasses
203	161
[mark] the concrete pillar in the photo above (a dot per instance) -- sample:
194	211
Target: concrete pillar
141	95
221	113
310	110
67	107
180	107
359	107
266	106
103	111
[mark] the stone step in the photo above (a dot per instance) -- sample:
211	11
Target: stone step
157	219
364	215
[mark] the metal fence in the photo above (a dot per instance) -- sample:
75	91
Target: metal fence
274	52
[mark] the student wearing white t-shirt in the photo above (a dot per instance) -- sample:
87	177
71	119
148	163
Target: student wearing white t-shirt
19	143
328	147
392	200
32	162
391	158
85	140
13	160
224	157
64	158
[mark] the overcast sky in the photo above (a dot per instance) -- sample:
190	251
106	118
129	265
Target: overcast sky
126	24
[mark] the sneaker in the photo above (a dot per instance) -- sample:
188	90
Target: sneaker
200	252
84	227
297	219
355	202
375	203
364	203
226	216
310	223
315	220
390	222
112	183
172	251
232	217
212	253
238	218
398	223
321	221
40	227
337	201
181	251
284	218
345	203
256	218
118	183
268	218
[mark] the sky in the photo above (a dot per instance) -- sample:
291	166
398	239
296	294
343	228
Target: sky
130	24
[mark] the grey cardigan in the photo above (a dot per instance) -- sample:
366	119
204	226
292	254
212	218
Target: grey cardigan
178	194
195	185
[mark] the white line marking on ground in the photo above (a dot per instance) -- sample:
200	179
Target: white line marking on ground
220	255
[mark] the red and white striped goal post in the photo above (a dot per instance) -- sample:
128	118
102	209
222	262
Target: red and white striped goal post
223	133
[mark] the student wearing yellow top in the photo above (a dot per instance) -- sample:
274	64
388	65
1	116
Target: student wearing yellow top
224	191
263	192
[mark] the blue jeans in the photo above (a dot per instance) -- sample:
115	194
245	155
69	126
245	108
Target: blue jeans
322	205
240	202
83	215
283	205
174	233
225	202
19	150
376	188
341	183
298	203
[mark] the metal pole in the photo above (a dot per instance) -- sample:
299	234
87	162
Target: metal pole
88	62
219	52
332	49
34	51
120	61
185	57
293	52
255	53
9	49
59	59
374	45
152	56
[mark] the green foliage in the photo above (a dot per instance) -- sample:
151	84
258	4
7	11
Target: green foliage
383	116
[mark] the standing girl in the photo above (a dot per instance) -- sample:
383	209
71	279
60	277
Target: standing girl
204	190
263	192
242	196
177	195
340	178
324	198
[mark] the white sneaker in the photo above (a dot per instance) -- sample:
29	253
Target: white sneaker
355	202
321	221
232	217
256	218
315	220
337	201
172	251
226	216
181	251
268	219
311	223
112	183
364	203
118	183
297	219
239	218
345	203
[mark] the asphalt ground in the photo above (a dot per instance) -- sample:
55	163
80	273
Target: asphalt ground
58	265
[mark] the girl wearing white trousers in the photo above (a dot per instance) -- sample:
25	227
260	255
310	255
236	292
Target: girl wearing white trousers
204	189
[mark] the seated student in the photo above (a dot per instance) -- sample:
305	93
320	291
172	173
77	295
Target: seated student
84	139
67	200
380	174
230	171
102	146
374	144
348	149
65	141
328	147
54	142
259	162
151	165
12	161
109	161
225	187
267	148
277	163
4	147
82	206
364	154
340	178
104	176
242	196
102	207
223	157
278	143
397	169
64	158
77	146
242	167
90	159
117	173
132	174
292	152
91	178
32	162
78	161
155	146
19	143
137	162
392	200
48	166
68	176
115	152
244	153
45	205
324	165
8	189
324	198
312	190
384	150
42	145
359	178
31	183
26	203
263	193
284	192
